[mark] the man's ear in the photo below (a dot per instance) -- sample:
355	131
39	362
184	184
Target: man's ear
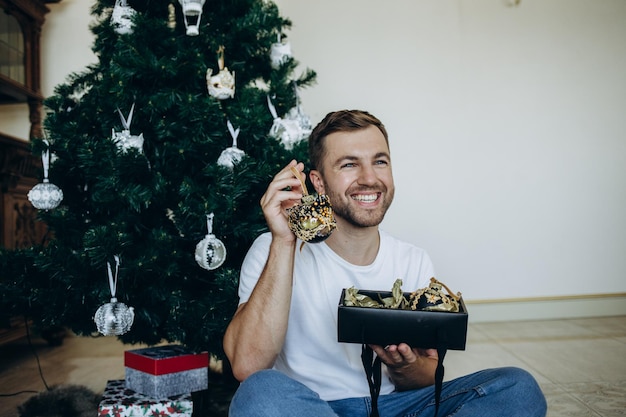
316	180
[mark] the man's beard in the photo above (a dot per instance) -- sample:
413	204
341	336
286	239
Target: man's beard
357	216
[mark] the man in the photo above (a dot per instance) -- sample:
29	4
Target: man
282	341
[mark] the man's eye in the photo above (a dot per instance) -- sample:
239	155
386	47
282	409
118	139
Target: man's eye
381	162
348	165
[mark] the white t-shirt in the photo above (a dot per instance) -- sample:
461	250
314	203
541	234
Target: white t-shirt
311	353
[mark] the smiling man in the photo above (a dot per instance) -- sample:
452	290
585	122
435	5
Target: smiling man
282	341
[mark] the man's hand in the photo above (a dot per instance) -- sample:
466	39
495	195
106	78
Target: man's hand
409	368
284	191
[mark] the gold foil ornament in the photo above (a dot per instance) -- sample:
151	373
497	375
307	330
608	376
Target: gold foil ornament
312	220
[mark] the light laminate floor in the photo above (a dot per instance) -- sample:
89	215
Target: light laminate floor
579	363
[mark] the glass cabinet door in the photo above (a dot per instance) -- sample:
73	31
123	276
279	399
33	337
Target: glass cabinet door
11	49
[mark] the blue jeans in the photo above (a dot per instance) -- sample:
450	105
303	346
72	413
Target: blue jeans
500	392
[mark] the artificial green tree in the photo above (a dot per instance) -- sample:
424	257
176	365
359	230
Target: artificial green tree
149	203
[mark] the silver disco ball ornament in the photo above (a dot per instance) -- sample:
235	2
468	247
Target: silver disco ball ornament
114	318
210	252
45	195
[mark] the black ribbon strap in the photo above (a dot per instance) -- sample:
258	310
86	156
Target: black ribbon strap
441	352
373	372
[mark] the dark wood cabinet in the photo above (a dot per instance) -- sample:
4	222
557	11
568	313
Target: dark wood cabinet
19	227
19	172
21	22
20	51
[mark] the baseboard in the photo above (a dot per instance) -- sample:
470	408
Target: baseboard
547	308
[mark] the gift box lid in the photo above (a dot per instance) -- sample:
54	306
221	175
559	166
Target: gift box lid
386	326
167	359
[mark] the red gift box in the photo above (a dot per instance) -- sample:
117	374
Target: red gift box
164	371
163	360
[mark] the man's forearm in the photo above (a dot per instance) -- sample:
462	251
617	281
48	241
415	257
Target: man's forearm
256	334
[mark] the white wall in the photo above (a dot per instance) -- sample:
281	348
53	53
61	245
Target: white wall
67	42
507	127
14	120
508	131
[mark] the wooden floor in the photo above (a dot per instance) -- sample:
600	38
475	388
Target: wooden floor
579	363
86	361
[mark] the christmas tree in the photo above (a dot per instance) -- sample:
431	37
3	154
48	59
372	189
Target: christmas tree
162	150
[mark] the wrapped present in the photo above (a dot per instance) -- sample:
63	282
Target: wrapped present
120	401
164	371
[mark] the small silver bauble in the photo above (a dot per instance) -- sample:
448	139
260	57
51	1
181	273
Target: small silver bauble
210	252
114	318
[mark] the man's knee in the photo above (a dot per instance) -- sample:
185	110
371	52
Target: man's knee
270	393
266	376
255	394
524	391
267	381
267	393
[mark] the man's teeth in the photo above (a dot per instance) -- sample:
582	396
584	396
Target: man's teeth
366	198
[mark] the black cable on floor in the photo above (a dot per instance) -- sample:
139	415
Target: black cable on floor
14	394
30	343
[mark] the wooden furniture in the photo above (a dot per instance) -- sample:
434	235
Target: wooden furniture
20	63
20	68
19	227
20	171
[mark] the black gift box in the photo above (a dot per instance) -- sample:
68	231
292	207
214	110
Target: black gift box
386	326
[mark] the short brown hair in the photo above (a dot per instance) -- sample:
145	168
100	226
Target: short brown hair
339	121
